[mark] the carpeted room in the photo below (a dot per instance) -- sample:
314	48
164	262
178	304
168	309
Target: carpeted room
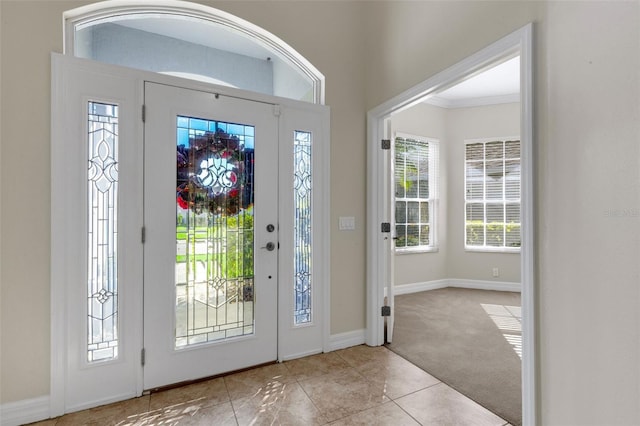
469	339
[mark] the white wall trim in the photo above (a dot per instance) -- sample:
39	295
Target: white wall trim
459	283
421	286
25	411
485	285
302	354
346	340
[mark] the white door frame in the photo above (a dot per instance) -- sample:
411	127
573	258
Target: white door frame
63	263
379	253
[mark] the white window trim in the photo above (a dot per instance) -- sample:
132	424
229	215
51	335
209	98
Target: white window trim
118	8
485	248
434	194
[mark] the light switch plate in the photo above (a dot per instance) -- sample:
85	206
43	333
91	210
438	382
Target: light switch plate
347	223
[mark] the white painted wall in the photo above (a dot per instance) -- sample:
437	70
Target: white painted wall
587	163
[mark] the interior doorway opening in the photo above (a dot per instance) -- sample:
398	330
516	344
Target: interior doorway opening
456	230
379	264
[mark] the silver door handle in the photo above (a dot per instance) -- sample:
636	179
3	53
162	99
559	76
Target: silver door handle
270	246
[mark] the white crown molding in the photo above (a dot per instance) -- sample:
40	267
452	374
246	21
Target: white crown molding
472	102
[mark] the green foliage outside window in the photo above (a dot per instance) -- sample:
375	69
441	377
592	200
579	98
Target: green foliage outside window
234	233
496	234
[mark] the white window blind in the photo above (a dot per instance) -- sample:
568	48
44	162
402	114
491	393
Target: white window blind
492	200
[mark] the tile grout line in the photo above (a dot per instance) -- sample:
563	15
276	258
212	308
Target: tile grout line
349	367
297	381
226	388
311	399
406	412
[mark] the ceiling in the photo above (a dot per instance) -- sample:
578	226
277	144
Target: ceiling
198	31
500	84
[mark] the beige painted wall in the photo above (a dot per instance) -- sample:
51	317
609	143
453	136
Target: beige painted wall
25	169
452	127
471	123
587	137
588	172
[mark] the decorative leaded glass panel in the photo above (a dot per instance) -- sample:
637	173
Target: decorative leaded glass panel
214	231
302	227
102	232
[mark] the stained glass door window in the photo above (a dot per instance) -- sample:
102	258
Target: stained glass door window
302	180
214	230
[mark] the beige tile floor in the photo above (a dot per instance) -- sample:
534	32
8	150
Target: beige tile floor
355	386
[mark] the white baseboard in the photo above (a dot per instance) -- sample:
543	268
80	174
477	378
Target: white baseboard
423	286
301	354
346	340
485	285
457	282
25	411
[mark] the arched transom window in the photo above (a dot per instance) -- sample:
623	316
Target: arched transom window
192	41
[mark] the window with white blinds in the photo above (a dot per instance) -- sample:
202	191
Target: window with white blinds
416	193
492	200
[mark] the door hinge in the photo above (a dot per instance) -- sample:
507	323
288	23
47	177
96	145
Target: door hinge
386	144
143	235
144	113
276	110
385	227
143	356
386	311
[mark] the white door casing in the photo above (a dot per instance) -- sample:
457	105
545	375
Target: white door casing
74	81
389	196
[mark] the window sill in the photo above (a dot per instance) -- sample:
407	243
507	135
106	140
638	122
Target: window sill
416	251
515	250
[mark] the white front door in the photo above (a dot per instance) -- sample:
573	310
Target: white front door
211	246
204	177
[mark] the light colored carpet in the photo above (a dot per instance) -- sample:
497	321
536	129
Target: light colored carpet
469	339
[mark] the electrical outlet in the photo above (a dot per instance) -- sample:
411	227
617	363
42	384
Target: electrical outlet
496	272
